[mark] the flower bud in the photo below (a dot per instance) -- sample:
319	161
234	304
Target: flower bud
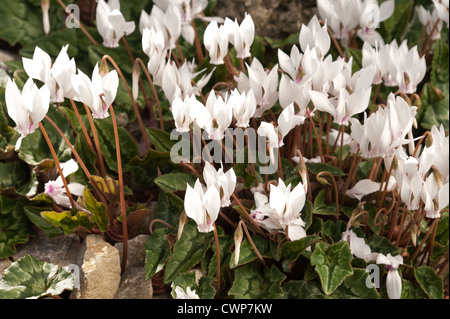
103	69
238	236
45	5
181	222
135	79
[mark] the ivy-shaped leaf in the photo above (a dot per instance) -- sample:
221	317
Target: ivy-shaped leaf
431	283
321	208
251	283
67	221
187	251
354	287
291	250
382	245
317	168
157	250
175	181
247	254
32	278
98	210
333	264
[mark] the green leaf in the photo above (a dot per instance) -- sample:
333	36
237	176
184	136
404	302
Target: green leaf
205	289
67	221
440	66
412	291
169	208
321	208
247	254
17	176
317	168
292	249
431	283
98	210
128	146
52	43
397	24
15	228
32	278
334	230
382	245
277	43
34	215
145	170
302	289
157	251
354	287
251	283
187	251
436	114
160	139
175	181
184	281
333	264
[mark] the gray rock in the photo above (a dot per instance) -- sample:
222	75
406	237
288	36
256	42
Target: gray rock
134	286
60	250
136	252
100	270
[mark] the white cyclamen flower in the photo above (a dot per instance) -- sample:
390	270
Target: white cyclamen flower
358	246
241	36
202	206
56	190
215	39
188	294
98	93
111	24
57	77
225	183
393	280
26	108
185	111
315	36
216	117
244	107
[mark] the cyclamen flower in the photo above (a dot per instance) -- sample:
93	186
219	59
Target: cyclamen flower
287	120
26	108
282	210
371	16
216	117
431	21
202	206
185	111
393	280
225	183
263	83
57	77
384	130
315	36
154	47
244	107
358	246
98	93
45	5
241	36
442	9
111	24
56	190
215	39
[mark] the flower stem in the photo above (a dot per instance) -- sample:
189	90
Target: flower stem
52	150
121	190
250	240
155	94
83	128
78	23
198	46
216	239
247	216
96	141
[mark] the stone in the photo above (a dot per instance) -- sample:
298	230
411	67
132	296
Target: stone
100	270
136	251
4	264
134	285
61	250
276	19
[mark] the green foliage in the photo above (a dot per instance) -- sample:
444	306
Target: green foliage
31	278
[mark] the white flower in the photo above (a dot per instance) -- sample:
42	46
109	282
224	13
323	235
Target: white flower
45	5
358	246
241	36
202	206
111	24
26	108
184	112
393	280
263	83
57	77
188	294
367	186
98	93
315	36
441	7
429	20
371	16
216	117
287	205
384	130
225	183
153	46
215	39
376	57
56	190
244	107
